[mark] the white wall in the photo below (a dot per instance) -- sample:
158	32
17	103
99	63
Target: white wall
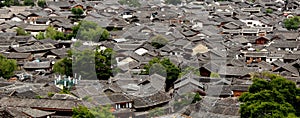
254	23
16	19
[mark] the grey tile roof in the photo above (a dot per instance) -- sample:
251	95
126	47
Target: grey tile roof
33	48
37	65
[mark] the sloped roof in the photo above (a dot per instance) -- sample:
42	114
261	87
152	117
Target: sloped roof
236	71
200	48
36	27
38	103
36	113
34	48
18	55
152	100
37	65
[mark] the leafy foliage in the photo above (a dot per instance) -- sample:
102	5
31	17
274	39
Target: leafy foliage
87	98
171	69
265	99
41	3
292	23
50	94
104	60
9	3
39	97
7	67
102	112
156	112
29	2
40	36
188	70
54	34
82	112
97	112
90	31
159	41
173	2
131	3
63	66
214	75
21	32
269	11
197	98
89	61
77	12
65	91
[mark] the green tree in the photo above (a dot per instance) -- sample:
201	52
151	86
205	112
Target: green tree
159	41
7	67
265	99
97	112
41	3
40	36
173	2
104	60
90	31
171	69
21	32
9	3
269	11
28	2
156	112
214	75
102	112
197	98
187	70
131	3
50	94
54	34
77	12
65	90
292	23
63	66
88	61
82	112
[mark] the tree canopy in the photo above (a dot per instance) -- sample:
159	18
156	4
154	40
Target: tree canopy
63	66
214	75
131	3
292	23
172	70
104	60
188	70
29	2
9	3
97	112
7	67
269	11
40	36
77	12
276	98
173	2
159	41
88	61
21	32
54	34
41	3
156	112
90	31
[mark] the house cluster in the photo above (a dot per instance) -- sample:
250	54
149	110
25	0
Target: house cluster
228	39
